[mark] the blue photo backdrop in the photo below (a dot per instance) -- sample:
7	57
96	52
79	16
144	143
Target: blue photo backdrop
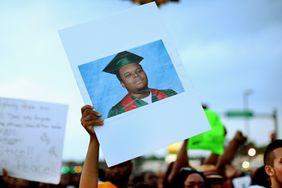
105	89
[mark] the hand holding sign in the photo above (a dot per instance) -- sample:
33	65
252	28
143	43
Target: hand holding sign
90	118
147	83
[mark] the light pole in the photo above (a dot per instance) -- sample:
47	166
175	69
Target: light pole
275	119
246	95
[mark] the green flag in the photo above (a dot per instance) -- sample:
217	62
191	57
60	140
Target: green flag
212	140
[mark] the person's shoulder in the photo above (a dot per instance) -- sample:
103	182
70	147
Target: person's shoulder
115	110
169	92
119	107
106	184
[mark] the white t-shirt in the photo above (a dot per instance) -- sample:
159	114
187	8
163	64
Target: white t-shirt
148	99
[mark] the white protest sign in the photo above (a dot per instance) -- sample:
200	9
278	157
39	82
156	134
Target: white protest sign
242	182
31	139
133	126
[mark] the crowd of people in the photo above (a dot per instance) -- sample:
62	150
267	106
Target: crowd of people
216	171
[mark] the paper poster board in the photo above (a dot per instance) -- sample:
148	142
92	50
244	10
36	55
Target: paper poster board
31	139
242	182
133	127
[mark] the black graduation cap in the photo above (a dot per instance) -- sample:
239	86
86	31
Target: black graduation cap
121	59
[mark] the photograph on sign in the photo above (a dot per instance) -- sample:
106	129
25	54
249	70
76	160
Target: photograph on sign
167	111
130	79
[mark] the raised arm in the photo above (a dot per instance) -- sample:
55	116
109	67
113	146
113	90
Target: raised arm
230	151
182	160
89	175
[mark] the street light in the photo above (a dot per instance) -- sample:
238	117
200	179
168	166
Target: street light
246	95
252	151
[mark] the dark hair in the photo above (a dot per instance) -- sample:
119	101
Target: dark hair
260	177
180	178
268	153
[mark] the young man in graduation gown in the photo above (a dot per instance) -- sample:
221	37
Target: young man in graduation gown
126	66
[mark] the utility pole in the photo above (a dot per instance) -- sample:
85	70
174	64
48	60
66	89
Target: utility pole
246	95
275	120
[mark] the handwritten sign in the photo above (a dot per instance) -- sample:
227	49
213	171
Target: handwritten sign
31	139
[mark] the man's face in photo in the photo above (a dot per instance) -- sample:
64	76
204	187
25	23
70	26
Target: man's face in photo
133	77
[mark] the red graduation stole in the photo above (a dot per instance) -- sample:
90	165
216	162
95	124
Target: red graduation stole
130	103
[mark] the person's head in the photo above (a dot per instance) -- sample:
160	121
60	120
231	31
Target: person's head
190	178
213	177
150	178
133	78
194	180
125	65
273	162
120	173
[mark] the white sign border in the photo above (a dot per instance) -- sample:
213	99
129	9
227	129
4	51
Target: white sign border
151	127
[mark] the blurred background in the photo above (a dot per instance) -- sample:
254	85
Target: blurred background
231	50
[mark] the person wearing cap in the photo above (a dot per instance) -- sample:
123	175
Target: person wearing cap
126	66
213	177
